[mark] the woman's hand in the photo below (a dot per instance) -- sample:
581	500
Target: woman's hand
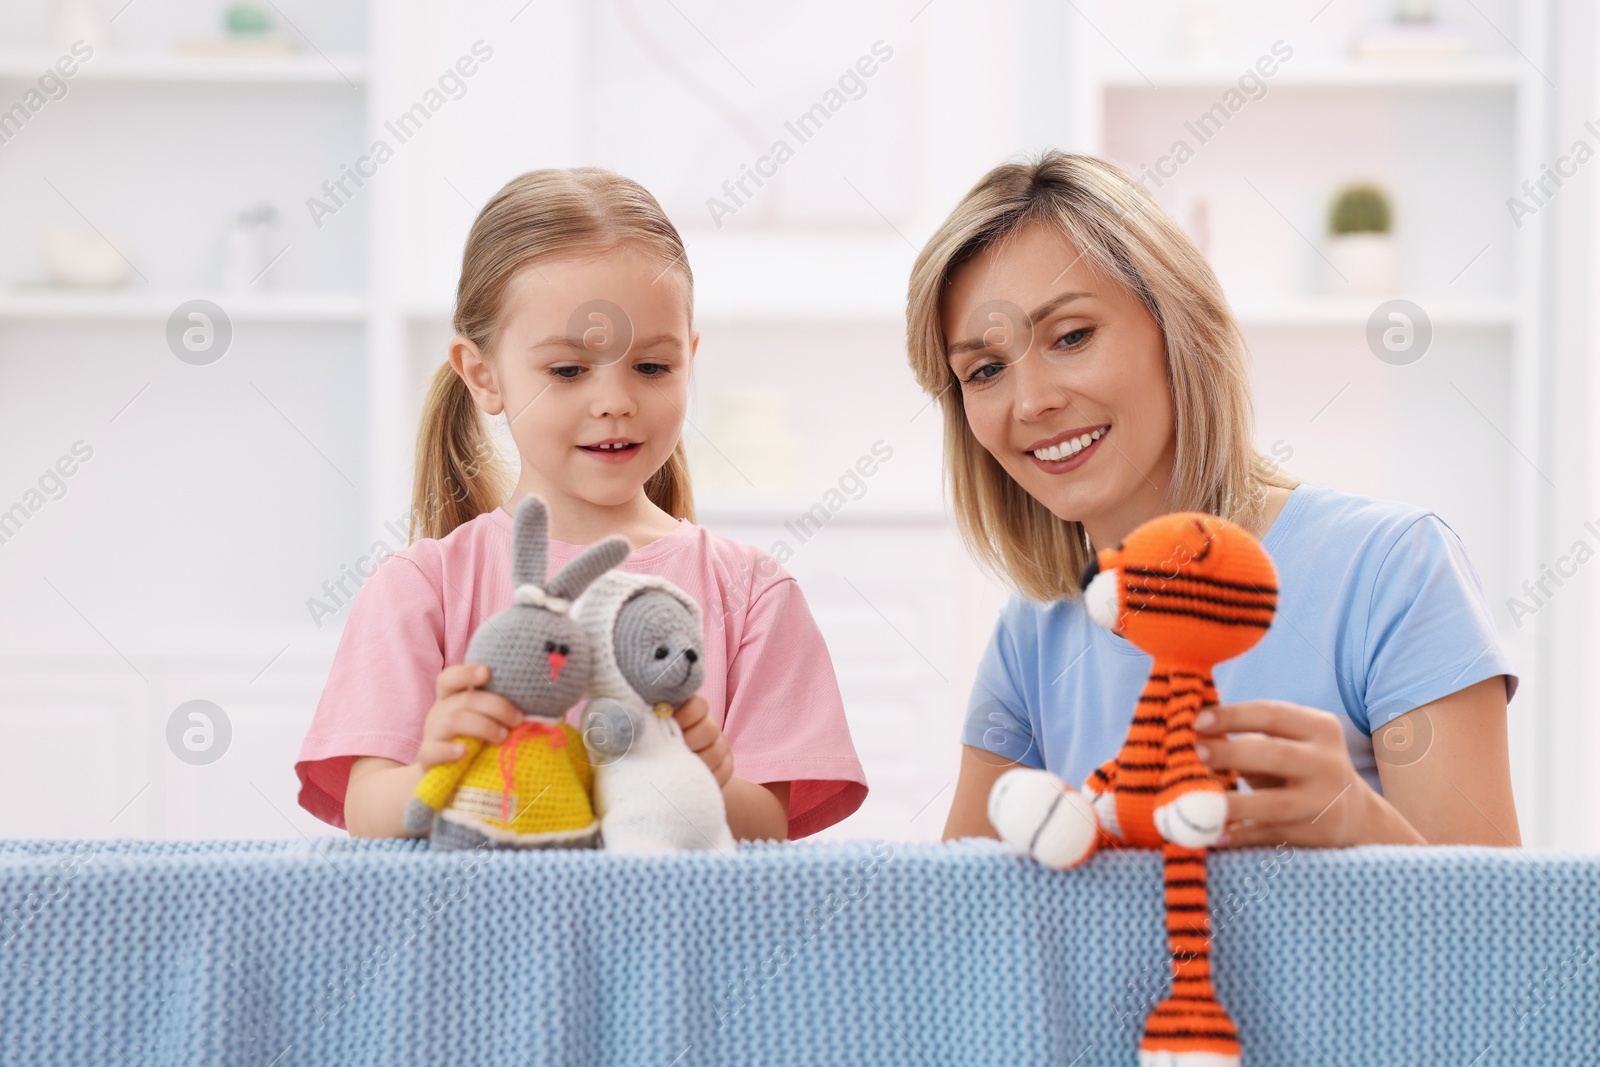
1305	790
705	738
461	709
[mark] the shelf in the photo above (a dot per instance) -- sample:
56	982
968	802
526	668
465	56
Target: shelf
1354	311
308	69
1473	74
847	278
766	511
110	306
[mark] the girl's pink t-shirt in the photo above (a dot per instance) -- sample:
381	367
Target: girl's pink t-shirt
769	679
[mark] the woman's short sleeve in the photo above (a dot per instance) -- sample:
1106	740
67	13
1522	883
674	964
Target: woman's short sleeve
997	711
380	687
784	719
1429	632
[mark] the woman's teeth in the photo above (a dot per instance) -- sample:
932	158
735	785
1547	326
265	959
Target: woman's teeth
1071	446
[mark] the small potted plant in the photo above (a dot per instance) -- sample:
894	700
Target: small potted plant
1360	246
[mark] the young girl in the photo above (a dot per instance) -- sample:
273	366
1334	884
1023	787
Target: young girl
574	318
1093	378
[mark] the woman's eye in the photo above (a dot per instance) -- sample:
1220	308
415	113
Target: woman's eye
982	374
1082	333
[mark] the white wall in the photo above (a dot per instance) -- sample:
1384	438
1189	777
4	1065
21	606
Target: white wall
179	562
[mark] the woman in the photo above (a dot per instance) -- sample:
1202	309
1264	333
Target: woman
1091	378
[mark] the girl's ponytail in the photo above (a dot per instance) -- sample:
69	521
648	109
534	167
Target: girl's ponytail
459	475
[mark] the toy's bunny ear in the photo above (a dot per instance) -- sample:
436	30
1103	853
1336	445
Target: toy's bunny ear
530	543
590	564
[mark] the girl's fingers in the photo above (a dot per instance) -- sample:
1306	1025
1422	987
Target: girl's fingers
1277	717
692	713
489	705
432	753
702	735
458	677
724	768
465	722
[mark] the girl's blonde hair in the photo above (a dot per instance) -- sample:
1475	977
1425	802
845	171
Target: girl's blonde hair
541	215
1120	229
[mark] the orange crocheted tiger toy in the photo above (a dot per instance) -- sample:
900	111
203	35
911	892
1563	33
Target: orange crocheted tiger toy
1192	590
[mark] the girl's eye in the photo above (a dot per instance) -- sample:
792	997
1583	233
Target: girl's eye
562	372
653	370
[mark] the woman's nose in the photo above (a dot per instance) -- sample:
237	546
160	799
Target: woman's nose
1036	392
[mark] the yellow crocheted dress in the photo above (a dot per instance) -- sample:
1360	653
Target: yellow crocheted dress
532	789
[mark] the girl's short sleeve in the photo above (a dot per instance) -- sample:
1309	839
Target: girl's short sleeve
1429	632
784	717
380	687
997	711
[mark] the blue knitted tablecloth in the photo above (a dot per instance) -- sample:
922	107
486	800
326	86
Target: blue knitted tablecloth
362	952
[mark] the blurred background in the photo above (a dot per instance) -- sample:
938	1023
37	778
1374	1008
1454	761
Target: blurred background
220	299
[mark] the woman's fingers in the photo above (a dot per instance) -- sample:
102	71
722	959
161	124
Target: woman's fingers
1276	717
1257	754
1267	835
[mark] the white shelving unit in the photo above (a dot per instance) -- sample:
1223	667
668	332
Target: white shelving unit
310	424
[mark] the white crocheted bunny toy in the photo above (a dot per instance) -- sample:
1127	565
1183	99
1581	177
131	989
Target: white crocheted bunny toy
651	792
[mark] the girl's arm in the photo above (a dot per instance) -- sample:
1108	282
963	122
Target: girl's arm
969	811
756	812
379	789
375	800
1453	788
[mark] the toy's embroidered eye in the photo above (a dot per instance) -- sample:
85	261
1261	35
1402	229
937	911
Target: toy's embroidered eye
549	646
563	650
661	652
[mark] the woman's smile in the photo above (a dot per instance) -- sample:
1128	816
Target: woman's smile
1068	451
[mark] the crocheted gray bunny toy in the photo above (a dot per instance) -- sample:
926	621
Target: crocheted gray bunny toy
533	789
651	792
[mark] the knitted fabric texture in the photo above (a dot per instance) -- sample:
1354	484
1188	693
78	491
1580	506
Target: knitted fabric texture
351	951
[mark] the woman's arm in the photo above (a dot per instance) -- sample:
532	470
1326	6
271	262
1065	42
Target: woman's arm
375	798
1454	783
1307	792
969	811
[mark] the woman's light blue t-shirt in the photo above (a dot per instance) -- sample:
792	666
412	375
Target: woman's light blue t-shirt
1379	612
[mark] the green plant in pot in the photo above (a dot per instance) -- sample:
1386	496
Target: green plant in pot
1360	245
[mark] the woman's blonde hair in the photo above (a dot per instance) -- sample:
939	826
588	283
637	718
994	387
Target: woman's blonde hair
1120	229
540	215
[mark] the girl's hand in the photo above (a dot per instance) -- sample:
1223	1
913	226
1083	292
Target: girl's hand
460	709
1306	791
705	738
